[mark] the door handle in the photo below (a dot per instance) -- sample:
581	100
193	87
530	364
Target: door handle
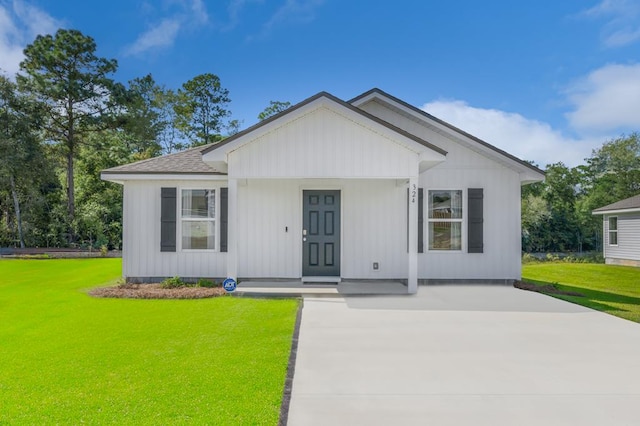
304	238
304	232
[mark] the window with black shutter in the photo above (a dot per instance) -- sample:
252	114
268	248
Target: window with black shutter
475	233
168	219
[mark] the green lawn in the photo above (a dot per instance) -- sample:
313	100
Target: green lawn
608	288
68	358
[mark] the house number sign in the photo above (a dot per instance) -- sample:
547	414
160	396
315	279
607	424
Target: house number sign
414	193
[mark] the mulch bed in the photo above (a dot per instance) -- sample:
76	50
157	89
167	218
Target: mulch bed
544	288
155	291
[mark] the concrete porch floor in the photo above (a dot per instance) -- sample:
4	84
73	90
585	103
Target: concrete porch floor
295	288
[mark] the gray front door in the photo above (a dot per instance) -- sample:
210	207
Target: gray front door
321	233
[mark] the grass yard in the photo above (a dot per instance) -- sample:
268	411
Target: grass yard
607	288
68	358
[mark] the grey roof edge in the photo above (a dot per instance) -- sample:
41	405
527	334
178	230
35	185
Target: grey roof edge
147	172
338	101
111	170
625	204
448	125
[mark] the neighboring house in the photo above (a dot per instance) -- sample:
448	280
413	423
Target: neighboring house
328	190
621	231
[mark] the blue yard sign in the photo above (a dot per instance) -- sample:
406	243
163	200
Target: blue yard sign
229	284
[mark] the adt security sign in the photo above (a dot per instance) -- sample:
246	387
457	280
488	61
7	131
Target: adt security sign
229	284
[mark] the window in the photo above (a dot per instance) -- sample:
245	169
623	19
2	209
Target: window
613	231
445	220
198	219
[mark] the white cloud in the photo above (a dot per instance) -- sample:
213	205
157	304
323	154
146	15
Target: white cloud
622	26
162	35
603	104
296	11
199	11
234	9
20	23
608	99
525	138
190	13
36	20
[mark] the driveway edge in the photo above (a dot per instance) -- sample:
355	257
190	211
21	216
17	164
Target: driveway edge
291	368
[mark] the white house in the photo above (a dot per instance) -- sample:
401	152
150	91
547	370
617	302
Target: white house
328	190
621	231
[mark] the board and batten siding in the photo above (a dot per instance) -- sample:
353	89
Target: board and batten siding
628	247
373	229
322	144
270	227
141	235
463	169
500	258
328	150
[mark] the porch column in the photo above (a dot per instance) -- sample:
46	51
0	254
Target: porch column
232	230
412	282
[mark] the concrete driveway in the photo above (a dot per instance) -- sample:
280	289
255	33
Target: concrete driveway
462	355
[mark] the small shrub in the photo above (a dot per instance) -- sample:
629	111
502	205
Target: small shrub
587	257
34	256
206	283
552	257
104	250
174	282
595	257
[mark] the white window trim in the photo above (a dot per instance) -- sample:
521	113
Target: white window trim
216	219
462	220
609	231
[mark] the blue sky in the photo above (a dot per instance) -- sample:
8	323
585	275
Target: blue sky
546	81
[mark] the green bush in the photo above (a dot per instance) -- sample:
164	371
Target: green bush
592	257
551	258
595	257
202	282
34	256
174	282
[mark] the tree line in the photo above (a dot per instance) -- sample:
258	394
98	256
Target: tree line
556	213
65	118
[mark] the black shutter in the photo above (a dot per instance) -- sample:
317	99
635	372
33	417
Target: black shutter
420	220
168	219
475	243
224	215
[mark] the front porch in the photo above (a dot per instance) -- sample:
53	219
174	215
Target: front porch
295	288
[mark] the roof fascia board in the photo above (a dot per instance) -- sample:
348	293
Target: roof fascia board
120	177
617	211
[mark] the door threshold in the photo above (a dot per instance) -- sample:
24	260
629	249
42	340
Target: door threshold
317	280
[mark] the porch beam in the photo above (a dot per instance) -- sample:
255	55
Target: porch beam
412	281
232	230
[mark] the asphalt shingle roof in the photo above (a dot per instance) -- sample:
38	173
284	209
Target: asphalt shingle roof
184	162
627	203
190	161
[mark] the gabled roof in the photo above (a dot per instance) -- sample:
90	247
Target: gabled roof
627	205
190	161
340	102
445	124
184	162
